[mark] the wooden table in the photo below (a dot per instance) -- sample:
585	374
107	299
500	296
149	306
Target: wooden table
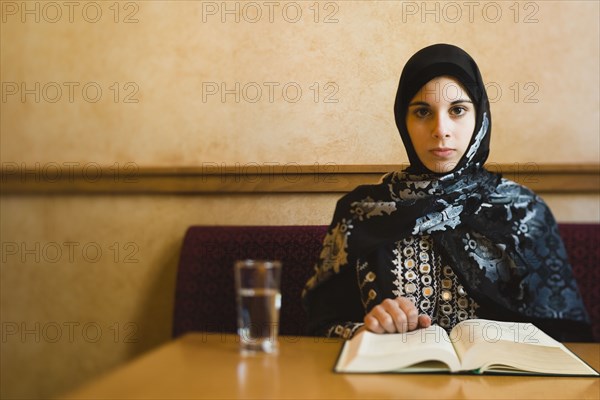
208	365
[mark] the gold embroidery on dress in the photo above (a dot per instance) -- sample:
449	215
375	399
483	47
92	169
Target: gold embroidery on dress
368	279
433	287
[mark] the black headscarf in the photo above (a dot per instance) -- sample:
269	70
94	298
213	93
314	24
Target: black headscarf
499	237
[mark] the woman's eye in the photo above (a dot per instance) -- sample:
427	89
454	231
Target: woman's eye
421	112
458	110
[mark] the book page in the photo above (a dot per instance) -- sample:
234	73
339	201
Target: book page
371	352
396	343
518	358
475	331
513	347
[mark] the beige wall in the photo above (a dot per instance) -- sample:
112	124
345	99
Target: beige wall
542	73
168	55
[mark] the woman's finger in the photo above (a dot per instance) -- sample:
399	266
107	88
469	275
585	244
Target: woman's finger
395	315
383	316
424	321
372	324
398	316
411	314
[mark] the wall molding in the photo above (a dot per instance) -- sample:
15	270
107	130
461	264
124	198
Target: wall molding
253	178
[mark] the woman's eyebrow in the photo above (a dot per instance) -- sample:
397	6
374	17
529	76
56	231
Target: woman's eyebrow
418	103
424	103
461	101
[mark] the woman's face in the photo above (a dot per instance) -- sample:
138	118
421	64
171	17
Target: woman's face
440	122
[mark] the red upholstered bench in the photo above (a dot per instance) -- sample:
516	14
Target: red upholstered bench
582	242
204	296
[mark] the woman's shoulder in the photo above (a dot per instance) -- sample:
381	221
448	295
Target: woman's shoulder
374	191
514	190
518	196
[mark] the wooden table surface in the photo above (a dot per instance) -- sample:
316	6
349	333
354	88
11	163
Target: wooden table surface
209	365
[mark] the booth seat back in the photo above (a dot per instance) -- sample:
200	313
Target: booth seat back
205	297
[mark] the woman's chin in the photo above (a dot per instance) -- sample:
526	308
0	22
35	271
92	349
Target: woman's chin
441	167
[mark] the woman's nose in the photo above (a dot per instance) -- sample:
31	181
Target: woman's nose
441	127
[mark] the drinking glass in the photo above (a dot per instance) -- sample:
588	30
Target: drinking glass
257	284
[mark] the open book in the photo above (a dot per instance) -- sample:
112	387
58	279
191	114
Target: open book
475	345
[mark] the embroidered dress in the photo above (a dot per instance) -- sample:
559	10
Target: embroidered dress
431	285
460	244
418	274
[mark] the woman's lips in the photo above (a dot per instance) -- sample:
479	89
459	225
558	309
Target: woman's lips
442	152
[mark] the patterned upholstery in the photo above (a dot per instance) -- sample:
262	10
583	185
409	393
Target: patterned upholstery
583	247
204	297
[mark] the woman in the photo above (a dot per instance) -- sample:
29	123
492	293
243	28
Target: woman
443	240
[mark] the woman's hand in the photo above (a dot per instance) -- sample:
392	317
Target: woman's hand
395	315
